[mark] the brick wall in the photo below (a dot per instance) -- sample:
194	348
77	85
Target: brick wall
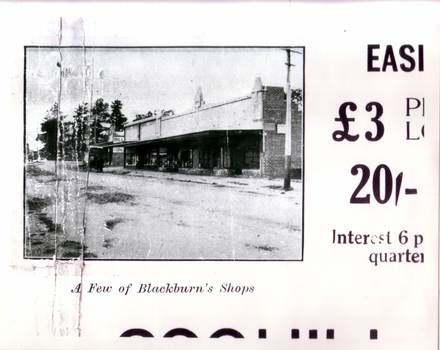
297	141
274	114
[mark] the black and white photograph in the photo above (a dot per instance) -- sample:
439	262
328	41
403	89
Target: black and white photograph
220	175
163	153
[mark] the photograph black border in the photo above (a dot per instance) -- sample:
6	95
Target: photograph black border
303	170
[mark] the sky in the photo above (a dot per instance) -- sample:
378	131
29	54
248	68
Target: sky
147	79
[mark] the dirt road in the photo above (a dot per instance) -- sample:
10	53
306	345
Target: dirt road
144	215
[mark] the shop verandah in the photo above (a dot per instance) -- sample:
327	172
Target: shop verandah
211	152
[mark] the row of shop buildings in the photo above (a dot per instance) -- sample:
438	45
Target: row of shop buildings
243	136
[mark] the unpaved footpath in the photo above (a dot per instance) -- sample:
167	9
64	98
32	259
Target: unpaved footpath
54	212
144	215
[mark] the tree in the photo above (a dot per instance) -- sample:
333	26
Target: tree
81	132
100	117
297	97
69	140
117	118
143	116
50	137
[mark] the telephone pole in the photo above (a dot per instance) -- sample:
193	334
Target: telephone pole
94	129
288	144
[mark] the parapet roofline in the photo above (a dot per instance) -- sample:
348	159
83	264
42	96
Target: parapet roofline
204	107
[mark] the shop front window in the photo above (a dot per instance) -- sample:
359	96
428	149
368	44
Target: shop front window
252	159
131	158
186	158
205	158
150	158
163	159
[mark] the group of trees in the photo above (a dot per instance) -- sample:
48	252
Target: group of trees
88	126
91	126
143	116
160	113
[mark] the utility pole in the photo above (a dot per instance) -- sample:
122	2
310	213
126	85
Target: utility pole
94	129
38	149
288	144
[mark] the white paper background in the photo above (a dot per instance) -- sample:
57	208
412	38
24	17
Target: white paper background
335	287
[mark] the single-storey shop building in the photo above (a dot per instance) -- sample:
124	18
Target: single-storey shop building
244	136
114	149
